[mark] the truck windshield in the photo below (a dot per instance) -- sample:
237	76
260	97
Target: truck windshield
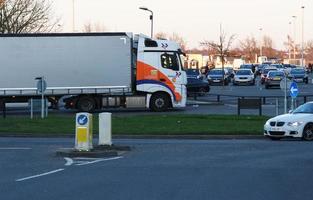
170	61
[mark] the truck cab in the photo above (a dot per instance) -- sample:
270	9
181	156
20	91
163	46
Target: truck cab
160	74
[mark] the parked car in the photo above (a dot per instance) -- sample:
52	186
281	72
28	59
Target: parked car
259	69
298	75
244	76
215	76
230	72
278	66
265	71
273	78
193	73
248	66
298	124
197	87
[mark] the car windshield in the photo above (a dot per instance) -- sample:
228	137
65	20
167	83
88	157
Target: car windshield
276	74
193	72
297	71
265	71
277	66
245	66
243	72
216	72
305	108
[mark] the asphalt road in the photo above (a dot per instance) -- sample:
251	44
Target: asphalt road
159	169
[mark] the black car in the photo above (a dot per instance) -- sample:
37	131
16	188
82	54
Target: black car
298	75
197	87
215	76
193	73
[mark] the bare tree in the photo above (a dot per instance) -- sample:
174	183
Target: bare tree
96	27
222	47
174	37
160	35
26	16
249	48
268	47
309	50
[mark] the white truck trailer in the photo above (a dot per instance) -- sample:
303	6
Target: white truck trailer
91	71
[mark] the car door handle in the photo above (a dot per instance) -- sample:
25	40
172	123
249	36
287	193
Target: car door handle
162	79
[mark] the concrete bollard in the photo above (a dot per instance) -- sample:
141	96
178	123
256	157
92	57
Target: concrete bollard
105	129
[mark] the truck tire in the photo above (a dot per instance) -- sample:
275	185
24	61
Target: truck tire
86	104
159	102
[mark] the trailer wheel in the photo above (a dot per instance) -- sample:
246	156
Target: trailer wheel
86	104
159	102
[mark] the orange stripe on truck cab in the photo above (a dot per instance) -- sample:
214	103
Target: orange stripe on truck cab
146	72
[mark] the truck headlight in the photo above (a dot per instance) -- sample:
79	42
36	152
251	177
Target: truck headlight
294	124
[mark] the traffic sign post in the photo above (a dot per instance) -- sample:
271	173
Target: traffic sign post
83	133
294	91
41	87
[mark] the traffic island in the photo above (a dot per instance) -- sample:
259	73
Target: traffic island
99	151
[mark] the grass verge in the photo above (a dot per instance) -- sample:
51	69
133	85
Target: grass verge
142	125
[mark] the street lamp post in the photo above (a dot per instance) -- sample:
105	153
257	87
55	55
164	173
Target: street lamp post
302	37
261	29
289	42
294	36
151	18
73	15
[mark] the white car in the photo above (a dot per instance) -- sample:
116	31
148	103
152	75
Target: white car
297	124
244	76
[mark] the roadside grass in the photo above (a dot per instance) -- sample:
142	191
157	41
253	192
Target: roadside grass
141	125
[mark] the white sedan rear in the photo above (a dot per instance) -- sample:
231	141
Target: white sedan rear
298	124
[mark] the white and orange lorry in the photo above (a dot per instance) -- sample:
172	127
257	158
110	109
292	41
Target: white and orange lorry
89	71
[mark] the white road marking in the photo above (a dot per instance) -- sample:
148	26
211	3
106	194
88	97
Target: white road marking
69	161
99	160
39	175
15	148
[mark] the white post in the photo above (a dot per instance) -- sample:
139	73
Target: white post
105	129
31	109
285	96
42	99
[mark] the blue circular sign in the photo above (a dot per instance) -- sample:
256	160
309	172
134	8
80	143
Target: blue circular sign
82	119
294	91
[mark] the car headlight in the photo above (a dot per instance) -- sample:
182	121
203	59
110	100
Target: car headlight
294	124
267	123
209	77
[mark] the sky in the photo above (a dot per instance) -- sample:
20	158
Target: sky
196	20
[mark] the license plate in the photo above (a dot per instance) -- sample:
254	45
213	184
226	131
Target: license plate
298	79
276	129
216	81
277	79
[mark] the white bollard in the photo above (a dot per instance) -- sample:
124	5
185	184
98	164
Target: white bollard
105	129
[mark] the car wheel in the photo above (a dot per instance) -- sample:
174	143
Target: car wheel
308	132
159	102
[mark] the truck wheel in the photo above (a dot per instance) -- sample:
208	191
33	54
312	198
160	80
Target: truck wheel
159	102
86	104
